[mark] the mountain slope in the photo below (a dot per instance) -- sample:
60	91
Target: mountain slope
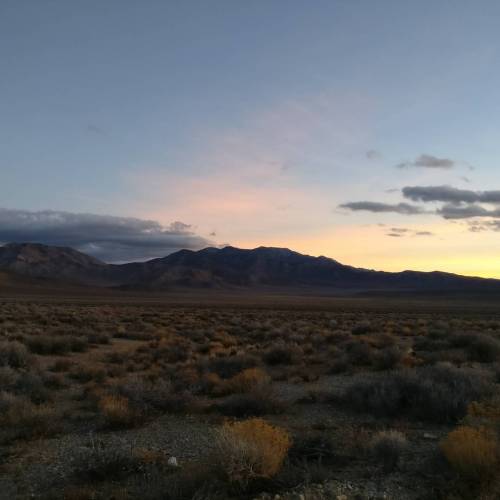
57	263
281	267
224	268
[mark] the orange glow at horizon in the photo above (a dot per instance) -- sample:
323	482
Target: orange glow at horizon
371	248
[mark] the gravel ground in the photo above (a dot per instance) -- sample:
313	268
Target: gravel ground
40	465
35	467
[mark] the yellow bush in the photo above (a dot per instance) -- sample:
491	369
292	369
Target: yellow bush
251	449
472	452
116	410
247	380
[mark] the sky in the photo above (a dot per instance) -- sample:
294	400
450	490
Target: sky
363	131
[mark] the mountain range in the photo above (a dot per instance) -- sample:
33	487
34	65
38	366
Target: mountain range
223	268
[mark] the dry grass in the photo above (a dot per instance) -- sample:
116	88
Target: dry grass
116	411
246	381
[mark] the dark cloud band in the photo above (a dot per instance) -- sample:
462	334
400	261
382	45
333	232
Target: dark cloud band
451	211
371	206
449	194
110	238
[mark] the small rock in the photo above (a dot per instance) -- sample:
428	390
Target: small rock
428	435
172	462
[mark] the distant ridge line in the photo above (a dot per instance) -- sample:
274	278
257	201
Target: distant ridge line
226	267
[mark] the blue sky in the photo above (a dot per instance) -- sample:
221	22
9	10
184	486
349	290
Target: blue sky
251	121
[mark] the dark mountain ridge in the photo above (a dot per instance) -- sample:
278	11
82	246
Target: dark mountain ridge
223	268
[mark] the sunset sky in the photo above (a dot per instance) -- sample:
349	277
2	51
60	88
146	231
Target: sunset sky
366	131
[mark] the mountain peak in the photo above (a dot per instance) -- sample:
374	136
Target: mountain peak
38	260
224	268
35	252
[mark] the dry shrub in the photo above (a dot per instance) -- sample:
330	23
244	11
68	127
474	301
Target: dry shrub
359	353
480	347
388	358
149	457
356	440
251	449
55	344
387	447
211	383
79	493
14	354
473	453
151	396
54	380
282	355
438	394
230	366
245	381
362	328
260	400
84	374
24	418
62	365
116	411
486	412
313	447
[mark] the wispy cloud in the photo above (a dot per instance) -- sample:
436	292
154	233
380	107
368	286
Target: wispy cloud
401	232
94	129
428	161
373	154
480	226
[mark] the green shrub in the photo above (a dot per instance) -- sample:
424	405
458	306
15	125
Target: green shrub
438	393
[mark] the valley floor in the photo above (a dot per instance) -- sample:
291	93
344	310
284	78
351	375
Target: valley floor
207	398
